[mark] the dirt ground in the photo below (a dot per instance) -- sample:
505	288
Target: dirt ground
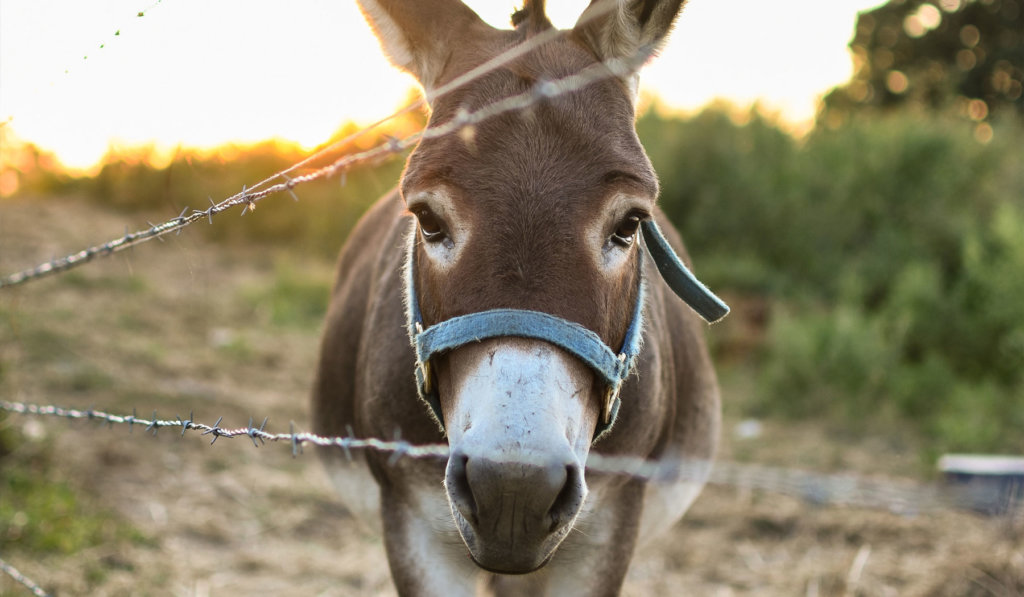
186	326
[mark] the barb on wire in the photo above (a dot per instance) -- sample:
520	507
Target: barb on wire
465	120
594	11
23	580
252	432
248	197
901	497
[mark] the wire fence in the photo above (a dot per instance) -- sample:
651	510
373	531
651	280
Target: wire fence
23	580
899	497
896	496
249	197
462	123
848	490
287	182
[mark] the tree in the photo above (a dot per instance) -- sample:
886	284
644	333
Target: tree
936	53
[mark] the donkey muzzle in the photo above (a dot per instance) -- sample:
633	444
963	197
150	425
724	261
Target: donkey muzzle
513	514
520	418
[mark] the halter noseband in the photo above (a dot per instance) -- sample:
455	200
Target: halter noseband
612	367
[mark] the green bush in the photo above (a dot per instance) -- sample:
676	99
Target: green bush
325	213
892	253
724	186
827	362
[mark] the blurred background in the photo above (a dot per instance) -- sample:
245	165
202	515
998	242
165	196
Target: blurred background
848	175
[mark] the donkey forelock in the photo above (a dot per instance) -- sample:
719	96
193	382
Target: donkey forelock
531	17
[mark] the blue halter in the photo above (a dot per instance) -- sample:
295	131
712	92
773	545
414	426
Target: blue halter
612	367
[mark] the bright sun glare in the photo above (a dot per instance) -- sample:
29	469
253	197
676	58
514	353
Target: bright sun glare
80	78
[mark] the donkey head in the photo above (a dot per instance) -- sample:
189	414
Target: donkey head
533	210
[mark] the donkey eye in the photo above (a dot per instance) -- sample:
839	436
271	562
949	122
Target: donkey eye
625	232
430	224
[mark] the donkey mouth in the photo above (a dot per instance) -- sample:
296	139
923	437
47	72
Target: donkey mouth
513	515
505	569
505	557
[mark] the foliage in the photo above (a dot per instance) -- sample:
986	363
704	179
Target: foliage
892	253
325	212
929	53
708	166
28	169
877	264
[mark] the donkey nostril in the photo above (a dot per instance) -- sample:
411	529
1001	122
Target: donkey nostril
457	483
569	500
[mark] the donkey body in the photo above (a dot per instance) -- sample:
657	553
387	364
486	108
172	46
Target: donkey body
534	211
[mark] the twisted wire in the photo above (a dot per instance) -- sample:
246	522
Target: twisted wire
23	580
464	120
900	497
597	9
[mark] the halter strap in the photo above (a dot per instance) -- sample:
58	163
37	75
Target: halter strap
613	367
679	278
570	336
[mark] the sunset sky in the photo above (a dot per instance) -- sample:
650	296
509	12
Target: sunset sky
79	77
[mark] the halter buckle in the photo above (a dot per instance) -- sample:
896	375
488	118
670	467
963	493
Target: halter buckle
610	394
427	372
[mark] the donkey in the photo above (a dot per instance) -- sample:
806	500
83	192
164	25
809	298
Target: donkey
504	299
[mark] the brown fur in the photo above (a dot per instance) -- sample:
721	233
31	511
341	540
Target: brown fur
525	183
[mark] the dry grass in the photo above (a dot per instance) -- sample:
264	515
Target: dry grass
188	326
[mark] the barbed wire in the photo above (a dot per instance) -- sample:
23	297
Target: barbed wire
249	197
848	490
258	435
896	496
464	120
595	10
20	578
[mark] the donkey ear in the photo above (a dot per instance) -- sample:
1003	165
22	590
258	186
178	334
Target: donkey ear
418	35
631	30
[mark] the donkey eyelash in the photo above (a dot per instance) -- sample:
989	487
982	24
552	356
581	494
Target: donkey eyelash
431	226
625	231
